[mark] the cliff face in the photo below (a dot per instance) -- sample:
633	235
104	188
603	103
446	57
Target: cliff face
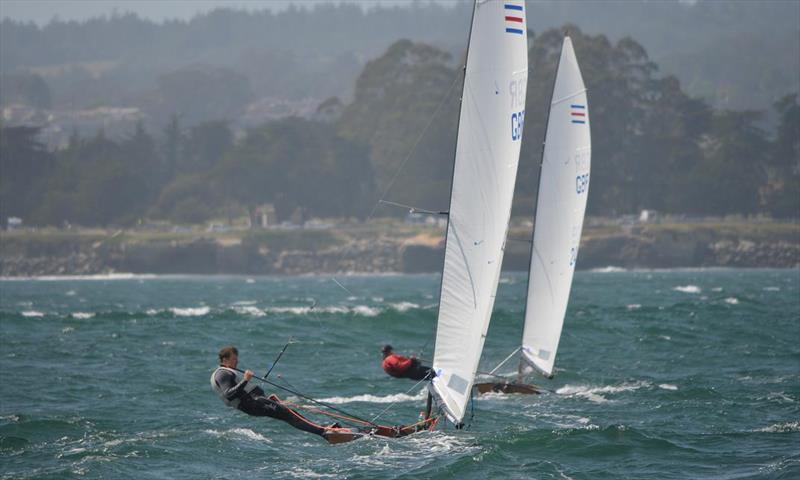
351	250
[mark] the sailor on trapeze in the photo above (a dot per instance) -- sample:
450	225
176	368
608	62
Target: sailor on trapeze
234	391
399	366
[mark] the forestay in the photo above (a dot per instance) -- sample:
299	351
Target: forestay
487	153
563	188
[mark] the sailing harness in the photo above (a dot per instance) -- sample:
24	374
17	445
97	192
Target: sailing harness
233	396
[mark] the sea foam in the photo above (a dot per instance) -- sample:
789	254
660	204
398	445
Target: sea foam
688	289
190	312
594	394
369	398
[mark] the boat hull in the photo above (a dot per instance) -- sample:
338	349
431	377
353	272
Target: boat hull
343	435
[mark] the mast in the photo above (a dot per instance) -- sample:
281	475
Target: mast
452	178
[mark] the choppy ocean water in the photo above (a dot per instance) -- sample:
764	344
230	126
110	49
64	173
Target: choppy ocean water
661	374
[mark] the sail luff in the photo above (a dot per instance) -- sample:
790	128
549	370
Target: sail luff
452	181
560	209
485	167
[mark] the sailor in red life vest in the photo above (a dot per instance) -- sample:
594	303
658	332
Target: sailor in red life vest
399	366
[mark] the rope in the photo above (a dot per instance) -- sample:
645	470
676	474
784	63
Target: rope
395	402
432	422
327	414
471	408
310	399
413	148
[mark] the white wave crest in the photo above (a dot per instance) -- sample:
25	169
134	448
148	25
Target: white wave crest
82	315
732	301
368	398
363	310
366	311
299	472
608	269
634	306
667	386
594	394
190	312
249	310
772	289
785	427
239	432
404	306
59	278
32	314
245	302
688	289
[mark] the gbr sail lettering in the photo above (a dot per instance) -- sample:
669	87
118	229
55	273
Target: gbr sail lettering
516	90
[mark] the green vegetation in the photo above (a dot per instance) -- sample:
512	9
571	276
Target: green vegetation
654	147
737	54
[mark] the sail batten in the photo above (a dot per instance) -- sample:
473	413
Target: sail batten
487	155
560	210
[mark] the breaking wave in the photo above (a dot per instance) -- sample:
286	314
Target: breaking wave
32	314
404	306
608	269
190	312
595	394
249	310
786	427
369	398
240	433
688	289
105	276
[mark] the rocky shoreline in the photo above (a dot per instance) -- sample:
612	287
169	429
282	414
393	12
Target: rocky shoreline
386	252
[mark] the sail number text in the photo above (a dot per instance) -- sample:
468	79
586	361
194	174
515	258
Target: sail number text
517	122
516	93
582	183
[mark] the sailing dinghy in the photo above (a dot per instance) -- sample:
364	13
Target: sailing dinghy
484	172
560	209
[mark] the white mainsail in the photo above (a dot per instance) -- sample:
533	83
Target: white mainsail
487	154
560	208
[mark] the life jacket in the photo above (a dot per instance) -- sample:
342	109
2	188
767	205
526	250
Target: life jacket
231	403
396	365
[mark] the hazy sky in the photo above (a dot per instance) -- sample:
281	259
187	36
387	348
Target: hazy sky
42	11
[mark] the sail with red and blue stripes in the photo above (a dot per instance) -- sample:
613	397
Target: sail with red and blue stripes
515	21
578	113
488	143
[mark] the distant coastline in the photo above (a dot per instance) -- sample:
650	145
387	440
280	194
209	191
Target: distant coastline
383	247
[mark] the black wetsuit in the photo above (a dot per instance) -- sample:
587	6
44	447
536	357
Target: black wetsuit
256	403
417	371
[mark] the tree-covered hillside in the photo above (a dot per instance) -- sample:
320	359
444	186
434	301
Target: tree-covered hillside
654	146
736	54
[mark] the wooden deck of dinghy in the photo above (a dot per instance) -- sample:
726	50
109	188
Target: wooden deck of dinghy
342	435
